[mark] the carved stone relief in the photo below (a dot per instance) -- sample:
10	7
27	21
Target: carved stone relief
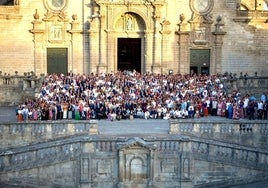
200	34
186	168
84	169
55	32
168	166
135	159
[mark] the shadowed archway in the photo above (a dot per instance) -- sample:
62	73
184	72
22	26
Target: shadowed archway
129	54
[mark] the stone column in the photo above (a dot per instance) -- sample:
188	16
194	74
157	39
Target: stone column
111	51
187	165
165	45
157	38
151	169
38	32
183	42
102	66
75	32
216	66
93	45
148	51
121	169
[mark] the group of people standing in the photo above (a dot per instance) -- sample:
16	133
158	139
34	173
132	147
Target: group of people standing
129	94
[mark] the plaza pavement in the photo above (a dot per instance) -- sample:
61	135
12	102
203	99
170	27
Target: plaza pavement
122	127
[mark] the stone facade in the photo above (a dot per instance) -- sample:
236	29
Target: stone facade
77	158
211	36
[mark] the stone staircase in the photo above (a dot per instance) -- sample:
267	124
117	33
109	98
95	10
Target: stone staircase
202	162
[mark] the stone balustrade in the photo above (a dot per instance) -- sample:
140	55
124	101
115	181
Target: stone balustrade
246	85
14	88
239	127
18	81
12	81
251	133
18	134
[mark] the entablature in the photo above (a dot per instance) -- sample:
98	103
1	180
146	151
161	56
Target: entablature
130	2
246	16
10	12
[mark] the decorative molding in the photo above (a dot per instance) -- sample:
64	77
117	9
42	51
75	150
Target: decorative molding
11	13
246	16
52	16
136	142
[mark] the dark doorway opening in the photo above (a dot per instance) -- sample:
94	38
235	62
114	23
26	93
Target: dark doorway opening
129	54
57	60
193	70
200	61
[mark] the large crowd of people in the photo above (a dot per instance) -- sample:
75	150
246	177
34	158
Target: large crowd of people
129	94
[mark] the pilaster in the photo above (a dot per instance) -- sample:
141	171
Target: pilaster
216	66
38	35
94	43
148	51
165	45
102	66
183	42
111	50
75	33
157	38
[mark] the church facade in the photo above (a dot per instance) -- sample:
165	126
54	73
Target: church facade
158	36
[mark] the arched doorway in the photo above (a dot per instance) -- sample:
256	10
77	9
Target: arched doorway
129	54
129	41
114	24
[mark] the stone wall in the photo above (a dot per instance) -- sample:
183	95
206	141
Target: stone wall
241	132
252	85
235	35
24	133
178	160
14	89
169	162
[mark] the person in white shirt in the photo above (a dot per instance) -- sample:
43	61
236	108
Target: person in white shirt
263	97
245	106
184	113
214	107
177	114
260	110
146	114
167	116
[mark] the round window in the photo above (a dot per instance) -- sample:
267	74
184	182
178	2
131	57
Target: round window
56	5
201	6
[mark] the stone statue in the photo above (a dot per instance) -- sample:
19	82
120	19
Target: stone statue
129	24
